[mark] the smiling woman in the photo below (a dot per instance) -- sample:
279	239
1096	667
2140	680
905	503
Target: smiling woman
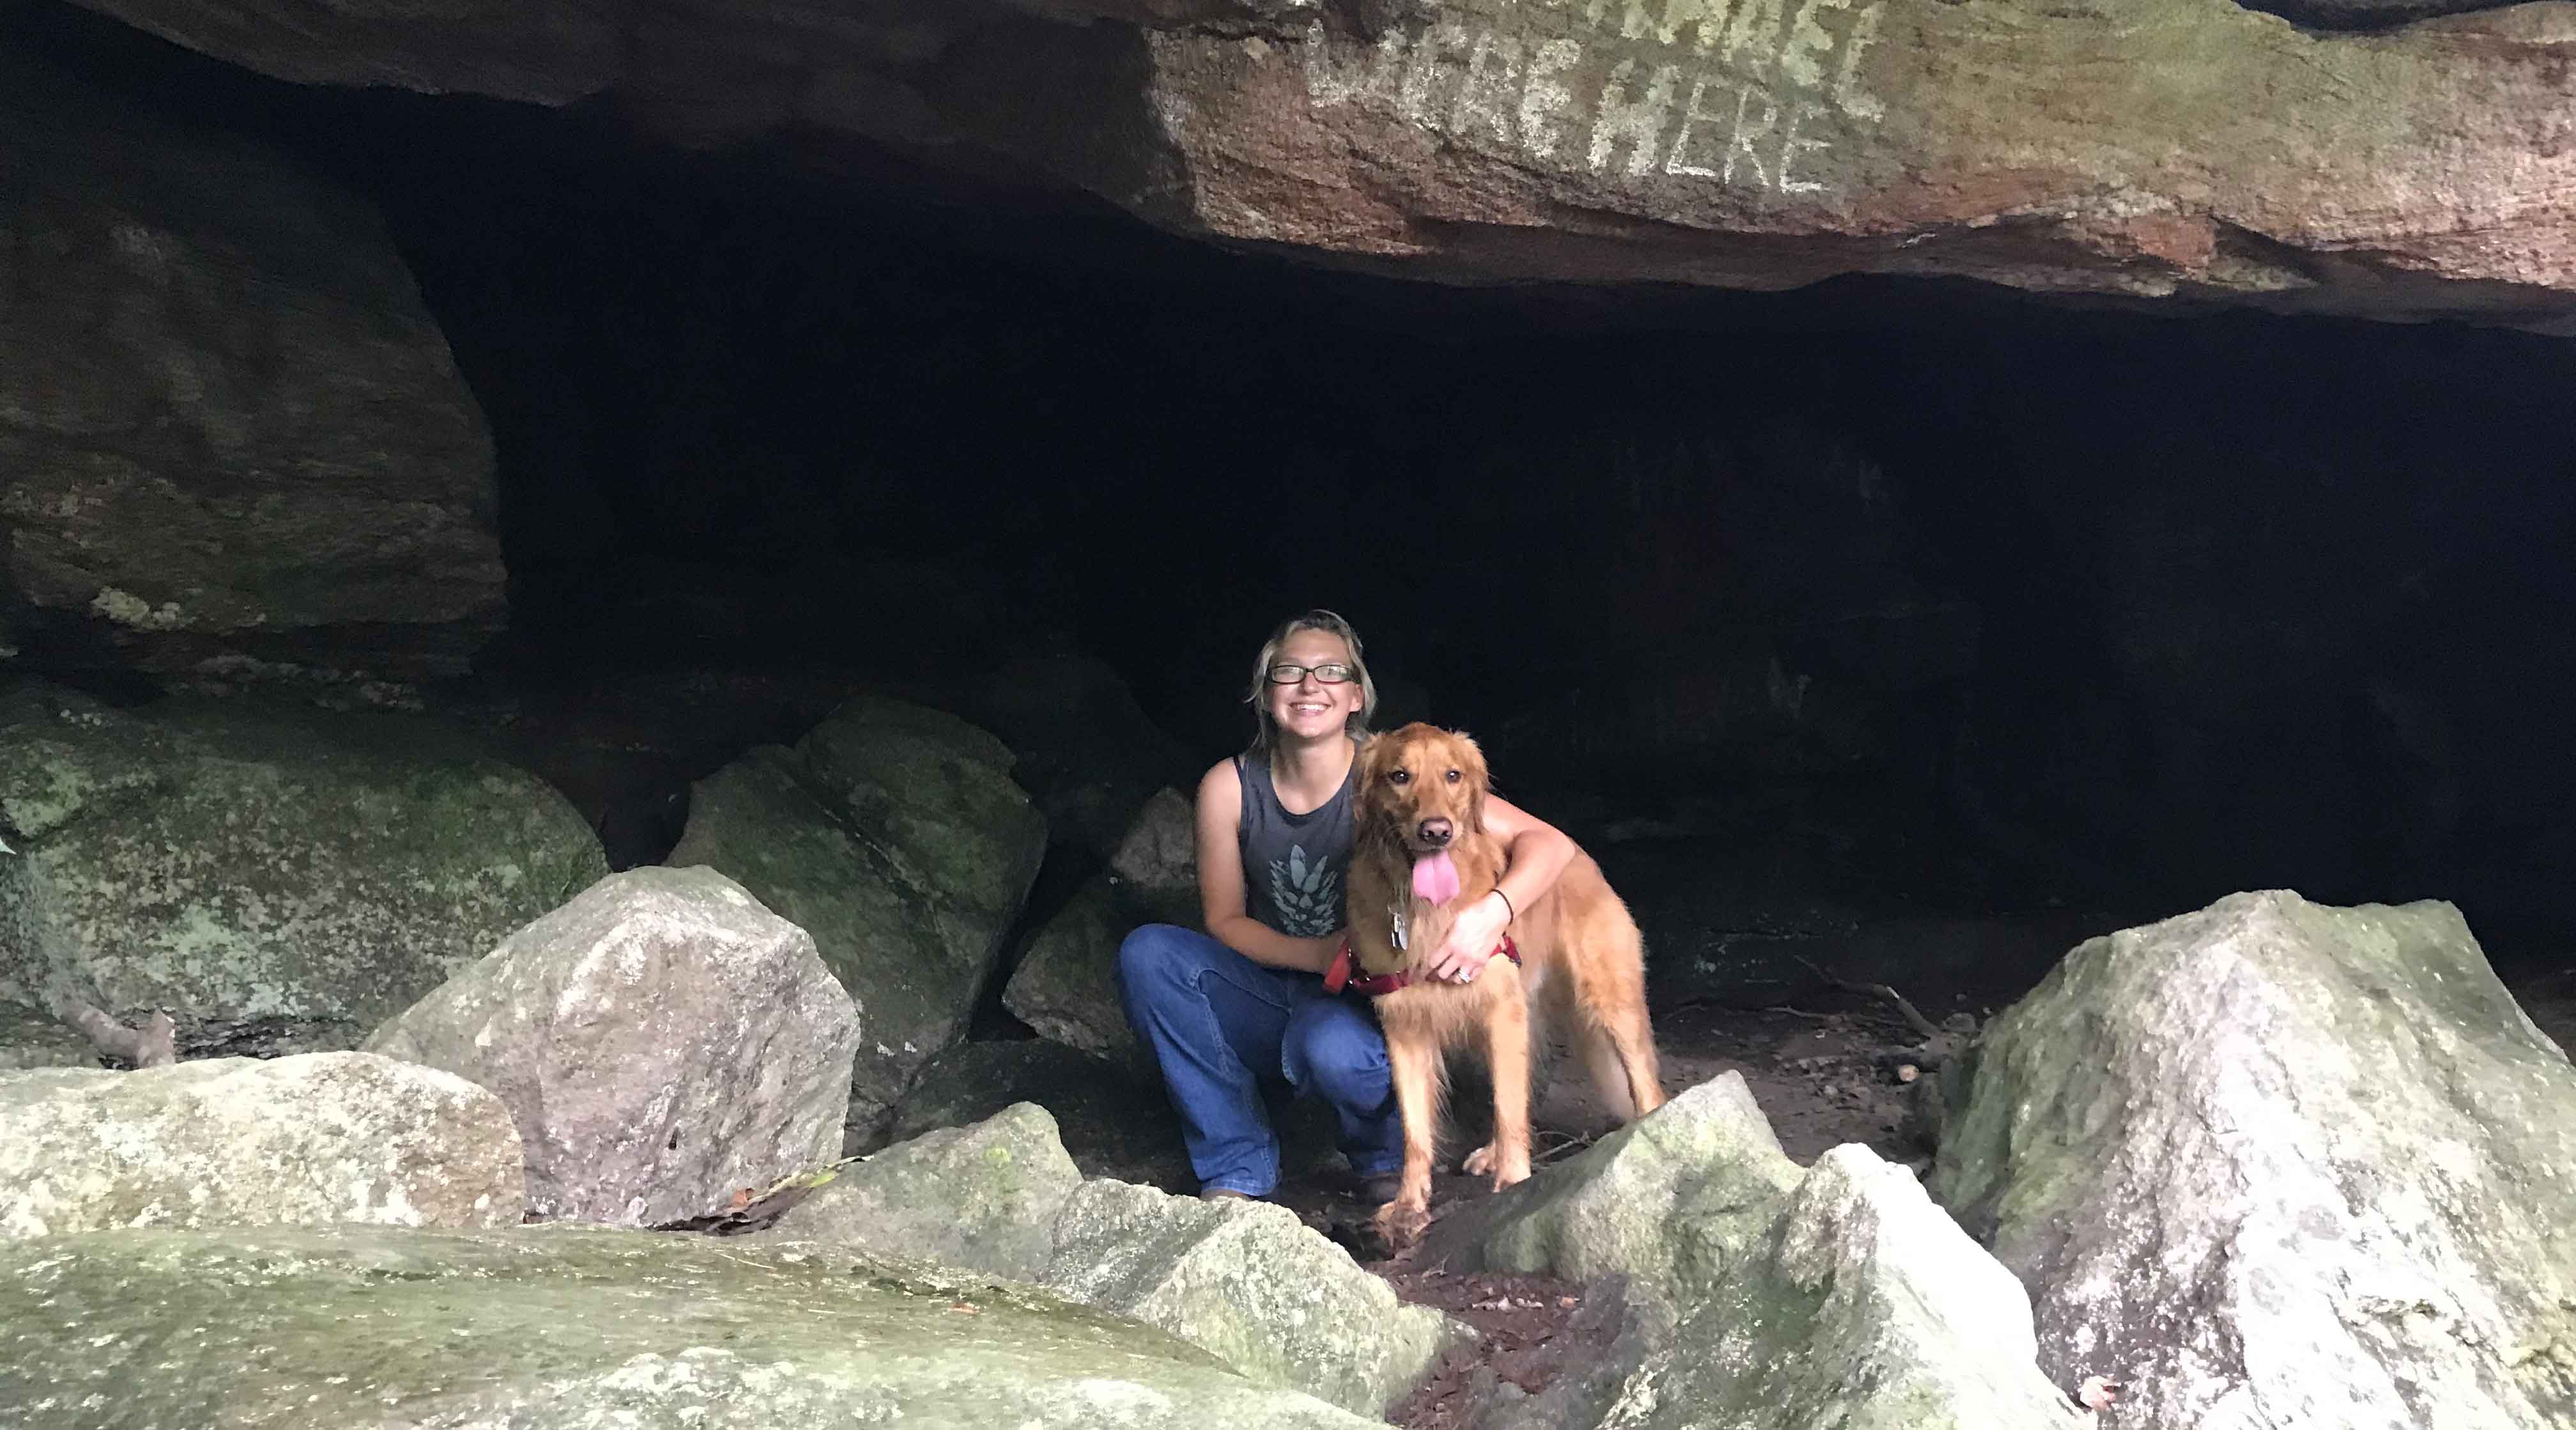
1244	1001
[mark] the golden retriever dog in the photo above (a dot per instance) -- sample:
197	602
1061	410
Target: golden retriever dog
1421	801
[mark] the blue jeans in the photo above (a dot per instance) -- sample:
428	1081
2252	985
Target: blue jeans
1220	1023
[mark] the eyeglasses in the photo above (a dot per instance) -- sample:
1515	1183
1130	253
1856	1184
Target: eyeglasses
1334	673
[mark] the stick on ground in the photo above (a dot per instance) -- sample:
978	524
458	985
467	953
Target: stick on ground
154	1045
1914	1018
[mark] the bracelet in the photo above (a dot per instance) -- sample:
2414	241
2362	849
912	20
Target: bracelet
1507	902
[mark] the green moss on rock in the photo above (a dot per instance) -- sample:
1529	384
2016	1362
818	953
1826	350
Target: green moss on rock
277	877
555	1328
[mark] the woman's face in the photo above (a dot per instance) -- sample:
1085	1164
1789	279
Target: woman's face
1308	708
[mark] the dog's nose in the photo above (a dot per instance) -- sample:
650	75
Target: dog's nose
1436	831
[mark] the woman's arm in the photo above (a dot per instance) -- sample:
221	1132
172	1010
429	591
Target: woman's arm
1535	854
1220	815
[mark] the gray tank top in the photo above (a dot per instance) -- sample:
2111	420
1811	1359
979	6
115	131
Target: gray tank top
1293	864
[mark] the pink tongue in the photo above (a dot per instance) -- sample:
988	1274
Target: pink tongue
1435	878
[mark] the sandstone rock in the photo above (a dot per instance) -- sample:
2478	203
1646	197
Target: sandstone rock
2275	1163
1251	1284
662	1041
34	1038
894	836
940	791
229	430
2195	149
560	1328
277	878
983	1198
1066	986
1863	1307
1671	1201
325	1137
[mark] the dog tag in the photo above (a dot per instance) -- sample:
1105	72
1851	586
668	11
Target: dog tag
1395	927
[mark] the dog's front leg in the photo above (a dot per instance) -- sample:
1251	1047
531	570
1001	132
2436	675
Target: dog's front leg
1507	1053
1413	1062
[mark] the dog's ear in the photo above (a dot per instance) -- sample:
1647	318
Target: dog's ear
1471	768
1376	753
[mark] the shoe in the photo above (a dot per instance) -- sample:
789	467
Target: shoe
1227	1194
1377	1191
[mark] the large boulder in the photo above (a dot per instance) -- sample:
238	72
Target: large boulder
1066	986
2274	1163
2194	150
278	878
1088	754
663	1042
894	835
983	1198
1671	1201
324	1137
230	432
558	1328
1251	1284
1862	1307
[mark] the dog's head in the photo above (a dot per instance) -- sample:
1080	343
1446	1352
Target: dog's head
1423	785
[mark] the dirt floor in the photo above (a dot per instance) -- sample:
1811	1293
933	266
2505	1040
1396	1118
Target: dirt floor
1825	1074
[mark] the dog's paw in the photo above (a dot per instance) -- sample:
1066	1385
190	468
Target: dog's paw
1480	1162
1400	1223
1507	1176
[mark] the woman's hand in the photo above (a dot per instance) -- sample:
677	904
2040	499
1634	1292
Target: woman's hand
1473	937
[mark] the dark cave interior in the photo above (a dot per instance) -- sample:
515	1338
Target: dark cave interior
1980	599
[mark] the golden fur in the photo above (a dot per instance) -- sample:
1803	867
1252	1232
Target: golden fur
1583	964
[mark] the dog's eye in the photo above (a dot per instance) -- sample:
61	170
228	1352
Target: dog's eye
1398	776
1453	777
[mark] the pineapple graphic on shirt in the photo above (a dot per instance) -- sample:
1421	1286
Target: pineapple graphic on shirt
1307	893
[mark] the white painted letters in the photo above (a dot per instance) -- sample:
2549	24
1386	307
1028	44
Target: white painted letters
1742	92
1692	117
1790	144
1741	146
1639	120
1854	100
1807	40
1756	28
1544	97
1486	101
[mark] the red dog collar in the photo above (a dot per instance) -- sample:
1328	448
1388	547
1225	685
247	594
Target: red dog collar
1344	973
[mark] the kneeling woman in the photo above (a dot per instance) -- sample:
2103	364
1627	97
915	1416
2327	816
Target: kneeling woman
1244	1002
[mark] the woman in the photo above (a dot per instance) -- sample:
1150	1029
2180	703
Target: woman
1245	1001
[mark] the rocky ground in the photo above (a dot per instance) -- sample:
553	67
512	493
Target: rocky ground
1822	1071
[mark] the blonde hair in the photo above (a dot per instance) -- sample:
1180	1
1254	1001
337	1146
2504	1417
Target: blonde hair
1265	732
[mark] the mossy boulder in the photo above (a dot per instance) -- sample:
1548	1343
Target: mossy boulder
1861	1307
1250	1283
2275	1162
894	836
1671	1201
278	878
983	1197
557	1328
321	1137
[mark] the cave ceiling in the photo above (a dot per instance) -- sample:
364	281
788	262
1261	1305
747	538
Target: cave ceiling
2181	153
